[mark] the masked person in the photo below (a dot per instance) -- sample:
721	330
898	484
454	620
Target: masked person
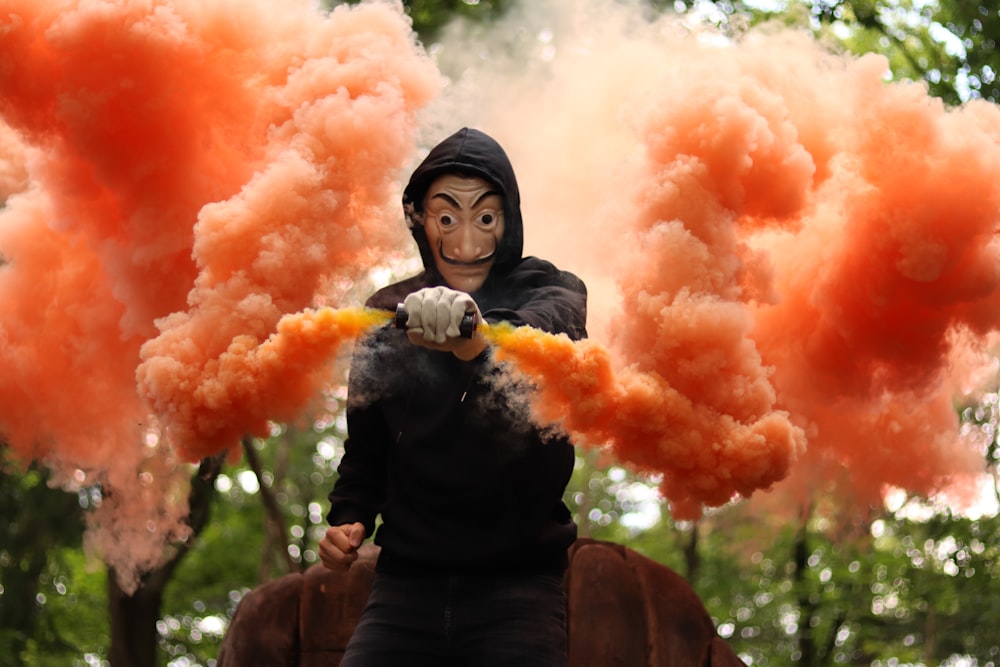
474	531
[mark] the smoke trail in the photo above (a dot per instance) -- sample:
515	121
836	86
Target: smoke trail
251	383
192	171
705	455
789	236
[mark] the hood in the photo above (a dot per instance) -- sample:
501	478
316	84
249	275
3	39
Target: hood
470	153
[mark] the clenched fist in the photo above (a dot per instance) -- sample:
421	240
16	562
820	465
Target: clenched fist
435	317
339	546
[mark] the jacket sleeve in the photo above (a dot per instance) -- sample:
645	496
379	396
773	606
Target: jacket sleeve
359	492
546	298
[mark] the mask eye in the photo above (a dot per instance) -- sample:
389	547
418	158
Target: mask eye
447	220
487	219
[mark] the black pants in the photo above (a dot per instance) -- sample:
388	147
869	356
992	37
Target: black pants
461	621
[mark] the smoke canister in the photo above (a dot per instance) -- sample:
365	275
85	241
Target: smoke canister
465	328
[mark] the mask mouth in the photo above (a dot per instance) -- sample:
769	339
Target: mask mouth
479	261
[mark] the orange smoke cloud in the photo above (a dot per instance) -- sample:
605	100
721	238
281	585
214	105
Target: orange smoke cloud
789	235
249	384
779	245
181	175
859	267
705	455
869	336
322	205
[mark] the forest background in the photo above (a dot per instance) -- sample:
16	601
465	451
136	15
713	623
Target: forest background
910	580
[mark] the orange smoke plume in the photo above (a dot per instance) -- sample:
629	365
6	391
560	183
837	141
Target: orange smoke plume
179	175
788	233
705	455
835	276
250	384
779	245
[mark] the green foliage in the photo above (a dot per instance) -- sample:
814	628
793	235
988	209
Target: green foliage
42	529
430	16
867	592
221	566
239	548
73	622
948	44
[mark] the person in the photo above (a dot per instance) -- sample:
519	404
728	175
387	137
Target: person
474	532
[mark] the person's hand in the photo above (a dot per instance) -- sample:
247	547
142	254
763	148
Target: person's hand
434	317
339	546
436	313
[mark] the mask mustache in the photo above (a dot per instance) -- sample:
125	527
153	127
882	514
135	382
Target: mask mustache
476	262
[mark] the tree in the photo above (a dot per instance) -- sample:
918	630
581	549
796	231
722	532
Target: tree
857	589
949	44
134	615
268	521
430	16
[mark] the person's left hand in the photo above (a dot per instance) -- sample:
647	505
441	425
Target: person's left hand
434	315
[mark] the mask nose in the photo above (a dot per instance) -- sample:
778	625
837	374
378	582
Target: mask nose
467	243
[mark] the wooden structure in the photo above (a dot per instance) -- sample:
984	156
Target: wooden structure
625	610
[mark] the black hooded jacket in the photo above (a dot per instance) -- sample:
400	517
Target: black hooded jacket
442	448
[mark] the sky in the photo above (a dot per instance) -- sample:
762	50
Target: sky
791	263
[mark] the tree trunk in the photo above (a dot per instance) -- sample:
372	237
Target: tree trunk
133	621
275	530
692	558
133	617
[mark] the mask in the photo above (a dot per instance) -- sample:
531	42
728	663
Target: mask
463	222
